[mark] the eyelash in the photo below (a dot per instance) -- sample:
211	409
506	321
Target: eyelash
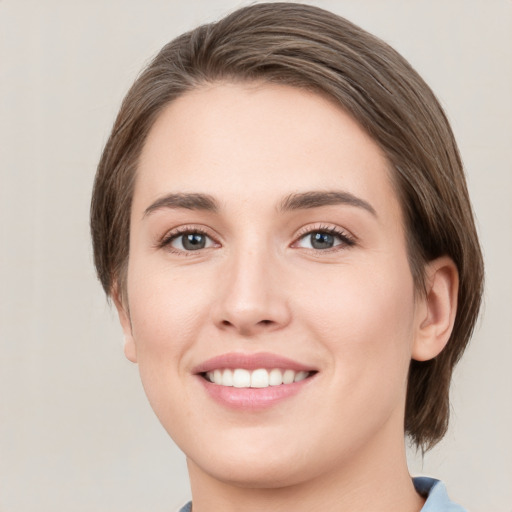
165	242
347	240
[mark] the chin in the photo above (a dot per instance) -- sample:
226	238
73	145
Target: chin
273	462
254	474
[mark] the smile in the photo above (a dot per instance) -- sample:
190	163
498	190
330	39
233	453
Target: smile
253	382
259	378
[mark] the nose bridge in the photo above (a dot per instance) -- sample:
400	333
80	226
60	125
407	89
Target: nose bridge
251	298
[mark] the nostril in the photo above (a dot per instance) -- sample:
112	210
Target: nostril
246	327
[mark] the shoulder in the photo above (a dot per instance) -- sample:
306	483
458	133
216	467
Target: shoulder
437	496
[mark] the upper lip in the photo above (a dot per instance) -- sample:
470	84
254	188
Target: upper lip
250	362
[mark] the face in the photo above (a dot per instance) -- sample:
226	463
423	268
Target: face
271	303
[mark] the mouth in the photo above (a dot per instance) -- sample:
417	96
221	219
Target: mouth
253	381
259	378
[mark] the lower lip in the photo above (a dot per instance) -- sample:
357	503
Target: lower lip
252	398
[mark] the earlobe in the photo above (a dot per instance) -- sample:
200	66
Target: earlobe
130	350
437	309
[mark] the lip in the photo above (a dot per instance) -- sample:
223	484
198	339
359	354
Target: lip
251	362
252	399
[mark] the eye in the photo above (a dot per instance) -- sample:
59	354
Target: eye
190	241
187	241
324	239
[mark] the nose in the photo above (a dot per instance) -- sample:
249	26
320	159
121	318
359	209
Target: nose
251	298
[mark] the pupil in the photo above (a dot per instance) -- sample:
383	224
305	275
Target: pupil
194	241
322	241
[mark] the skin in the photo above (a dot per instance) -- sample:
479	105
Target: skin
350	312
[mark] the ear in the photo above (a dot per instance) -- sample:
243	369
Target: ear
436	309
130	349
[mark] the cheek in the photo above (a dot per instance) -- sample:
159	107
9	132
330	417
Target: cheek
167	312
166	309
365	319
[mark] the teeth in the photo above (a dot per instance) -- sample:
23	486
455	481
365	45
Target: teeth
226	378
275	377
300	376
260	378
288	376
241	378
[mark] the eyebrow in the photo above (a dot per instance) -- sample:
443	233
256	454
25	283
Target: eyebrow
298	201
189	201
307	200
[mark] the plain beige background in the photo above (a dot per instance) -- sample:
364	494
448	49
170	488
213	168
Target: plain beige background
76	433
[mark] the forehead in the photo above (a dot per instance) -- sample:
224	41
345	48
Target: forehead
252	140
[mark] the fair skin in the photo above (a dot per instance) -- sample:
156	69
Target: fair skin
245	267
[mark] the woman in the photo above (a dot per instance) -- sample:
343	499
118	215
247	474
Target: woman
281	218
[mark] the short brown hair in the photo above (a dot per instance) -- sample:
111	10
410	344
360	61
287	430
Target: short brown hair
308	47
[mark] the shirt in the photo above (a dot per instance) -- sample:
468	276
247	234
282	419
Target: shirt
437	497
430	488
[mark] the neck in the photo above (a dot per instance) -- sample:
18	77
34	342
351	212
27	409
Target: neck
376	480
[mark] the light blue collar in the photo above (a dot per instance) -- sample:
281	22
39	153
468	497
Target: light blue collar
437	497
